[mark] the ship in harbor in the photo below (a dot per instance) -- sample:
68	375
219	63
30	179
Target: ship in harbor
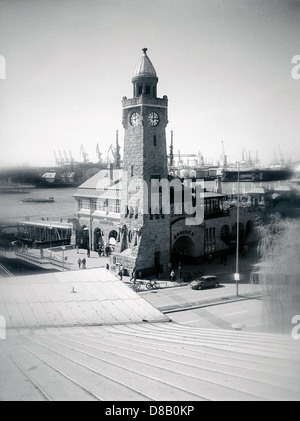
257	174
15	188
38	200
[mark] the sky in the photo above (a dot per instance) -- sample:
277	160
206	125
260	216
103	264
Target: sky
226	66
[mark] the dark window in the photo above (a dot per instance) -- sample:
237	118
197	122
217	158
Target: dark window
154	141
131	170
140	90
147	90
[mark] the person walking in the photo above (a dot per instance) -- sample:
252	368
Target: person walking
179	270
121	272
172	275
79	263
133	274
83	263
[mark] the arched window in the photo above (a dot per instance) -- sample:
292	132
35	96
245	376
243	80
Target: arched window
225	234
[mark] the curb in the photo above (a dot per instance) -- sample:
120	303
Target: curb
221	300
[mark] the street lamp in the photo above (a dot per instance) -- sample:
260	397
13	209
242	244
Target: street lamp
50	228
91	227
237	275
63	256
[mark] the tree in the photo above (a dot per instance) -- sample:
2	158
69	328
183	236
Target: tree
279	272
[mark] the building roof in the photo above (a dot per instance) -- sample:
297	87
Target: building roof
103	341
145	67
97	185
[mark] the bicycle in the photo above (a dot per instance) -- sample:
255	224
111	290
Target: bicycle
152	285
180	282
135	286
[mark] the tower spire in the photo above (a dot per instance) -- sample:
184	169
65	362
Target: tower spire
144	78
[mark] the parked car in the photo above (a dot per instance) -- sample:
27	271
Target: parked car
207	281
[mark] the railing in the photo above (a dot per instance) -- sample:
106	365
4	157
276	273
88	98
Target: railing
5	270
42	261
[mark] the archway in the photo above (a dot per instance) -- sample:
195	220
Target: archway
98	239
112	239
84	237
183	249
249	231
225	234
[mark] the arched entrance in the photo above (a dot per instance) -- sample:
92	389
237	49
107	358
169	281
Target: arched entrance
84	237
249	231
98	240
183	249
112	239
225	234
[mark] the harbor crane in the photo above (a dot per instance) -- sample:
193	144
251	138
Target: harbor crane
66	157
99	154
61	158
71	157
84	154
57	161
224	157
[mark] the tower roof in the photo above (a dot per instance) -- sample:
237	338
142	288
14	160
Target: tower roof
145	67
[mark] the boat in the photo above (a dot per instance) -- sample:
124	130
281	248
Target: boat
38	200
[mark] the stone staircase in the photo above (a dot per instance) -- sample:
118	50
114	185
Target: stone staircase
147	361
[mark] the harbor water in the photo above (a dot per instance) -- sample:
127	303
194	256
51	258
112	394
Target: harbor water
65	206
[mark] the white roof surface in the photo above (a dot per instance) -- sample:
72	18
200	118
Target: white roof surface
95	344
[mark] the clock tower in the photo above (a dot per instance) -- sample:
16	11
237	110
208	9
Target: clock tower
144	227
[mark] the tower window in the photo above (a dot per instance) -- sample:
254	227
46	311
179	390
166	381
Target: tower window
140	90
147	90
154	140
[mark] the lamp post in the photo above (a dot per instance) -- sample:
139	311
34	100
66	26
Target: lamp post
91	227
237	275
63	256
204	239
50	228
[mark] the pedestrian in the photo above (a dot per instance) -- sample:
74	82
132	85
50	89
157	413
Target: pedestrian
121	272
83	263
172	275
77	249
179	270
79	263
107	266
88	252
133	274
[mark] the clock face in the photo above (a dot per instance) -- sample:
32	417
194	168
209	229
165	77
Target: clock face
153	119
134	119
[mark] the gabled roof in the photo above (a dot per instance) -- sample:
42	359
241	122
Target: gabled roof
100	183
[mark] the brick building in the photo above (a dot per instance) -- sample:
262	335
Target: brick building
140	210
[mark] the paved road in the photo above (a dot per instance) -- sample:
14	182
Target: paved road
223	316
